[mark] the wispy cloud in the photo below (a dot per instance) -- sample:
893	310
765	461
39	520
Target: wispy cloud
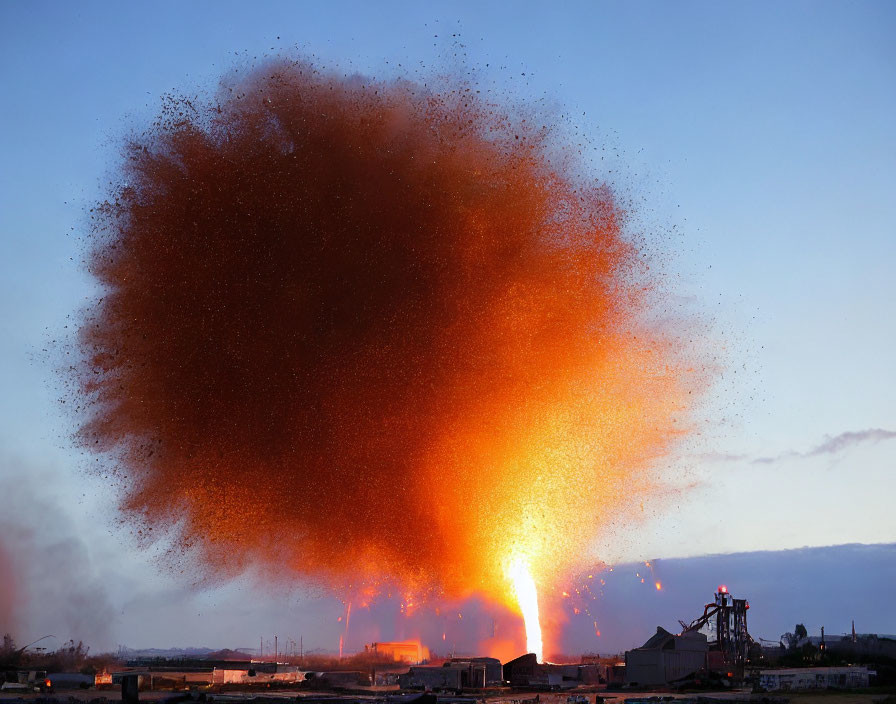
833	445
845	440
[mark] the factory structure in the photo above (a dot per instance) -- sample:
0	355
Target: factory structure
668	658
715	650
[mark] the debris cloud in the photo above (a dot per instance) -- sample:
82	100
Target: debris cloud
356	330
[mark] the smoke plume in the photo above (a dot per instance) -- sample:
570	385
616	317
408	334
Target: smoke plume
357	330
50	580
7	592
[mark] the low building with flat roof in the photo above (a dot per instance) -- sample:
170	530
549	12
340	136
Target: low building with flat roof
854	677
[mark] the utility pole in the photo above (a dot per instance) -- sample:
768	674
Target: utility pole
275	649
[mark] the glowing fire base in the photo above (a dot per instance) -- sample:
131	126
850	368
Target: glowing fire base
527	596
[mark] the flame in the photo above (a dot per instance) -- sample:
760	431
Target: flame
527	598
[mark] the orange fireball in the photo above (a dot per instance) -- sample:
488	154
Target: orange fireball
354	330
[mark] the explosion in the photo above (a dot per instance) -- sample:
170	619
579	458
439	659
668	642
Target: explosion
527	597
357	331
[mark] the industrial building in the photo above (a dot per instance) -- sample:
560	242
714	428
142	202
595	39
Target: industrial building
338	679
455	674
206	674
494	672
436	678
410	651
815	678
666	657
526	671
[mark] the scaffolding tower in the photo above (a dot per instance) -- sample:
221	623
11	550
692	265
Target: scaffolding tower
729	618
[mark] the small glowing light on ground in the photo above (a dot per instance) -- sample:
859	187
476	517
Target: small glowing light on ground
659	586
527	596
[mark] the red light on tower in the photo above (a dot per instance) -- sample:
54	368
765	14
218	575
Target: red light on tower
723	589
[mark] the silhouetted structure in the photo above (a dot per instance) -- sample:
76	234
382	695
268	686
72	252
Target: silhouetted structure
666	657
526	671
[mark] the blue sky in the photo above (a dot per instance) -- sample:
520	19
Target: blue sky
763	132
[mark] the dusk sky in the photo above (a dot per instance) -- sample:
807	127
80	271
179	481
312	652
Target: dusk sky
760	135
